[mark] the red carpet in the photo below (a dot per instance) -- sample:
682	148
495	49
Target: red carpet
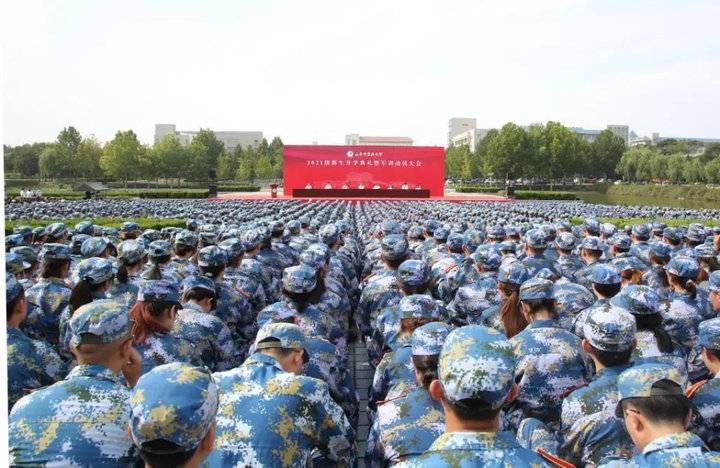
451	197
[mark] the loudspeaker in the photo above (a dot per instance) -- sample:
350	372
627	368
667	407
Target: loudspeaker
212	191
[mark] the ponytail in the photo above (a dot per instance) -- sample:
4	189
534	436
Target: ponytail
143	315
654	323
82	294
687	284
427	367
512	318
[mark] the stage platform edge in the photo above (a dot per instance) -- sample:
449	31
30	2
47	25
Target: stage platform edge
451	197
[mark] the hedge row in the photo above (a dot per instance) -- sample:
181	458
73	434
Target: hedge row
119	193
689	192
534	195
476	189
144	223
238	188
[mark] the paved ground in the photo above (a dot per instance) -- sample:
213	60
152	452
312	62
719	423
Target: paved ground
362	375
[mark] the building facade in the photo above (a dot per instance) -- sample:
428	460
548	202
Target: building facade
355	139
231	140
459	125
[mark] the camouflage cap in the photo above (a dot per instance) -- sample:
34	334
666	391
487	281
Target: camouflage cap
683	267
100	322
604	273
705	251
263	233
507	246
159	248
640	382
641	231
536	289
496	232
27	253
95	270
487	258
469	300
428	339
329	234
610	328
252	268
592	226
441	234
294	226
15	264
299	279
629	263
535	238
23	230
77	240
130	250
455	241
55	252
512	230
430	225
660	250
233	247
197	281
158	290
251	238
394	246
413	273
513	273
313	259
281	335
56	230
186	238
129	226
39	231
716	230
14	240
420	306
476	363
608	229
277	312
211	256
591	243
94	247
13	288
472	239
276	227
621	241
150	235
695	235
714	282
84	227
175	403
391	227
208	237
638	299
658	227
672	234
709	334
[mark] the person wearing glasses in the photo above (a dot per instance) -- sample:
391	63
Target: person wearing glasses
82	420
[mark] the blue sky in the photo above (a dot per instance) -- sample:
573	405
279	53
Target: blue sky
316	70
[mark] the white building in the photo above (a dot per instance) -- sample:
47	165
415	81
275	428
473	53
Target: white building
230	139
355	139
469	138
458	125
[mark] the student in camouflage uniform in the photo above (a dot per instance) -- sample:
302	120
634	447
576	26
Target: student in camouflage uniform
31	363
158	267
131	260
506	316
475	378
173	411
49	296
567	263
535	246
270	415
184	248
705	395
605	284
656	412
407	425
82	420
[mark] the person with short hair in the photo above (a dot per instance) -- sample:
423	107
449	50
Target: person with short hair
476	377
172	416
271	415
82	420
705	394
656	412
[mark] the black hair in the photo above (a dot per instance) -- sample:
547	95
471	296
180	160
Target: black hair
472	409
417	289
122	273
52	268
212	271
565	251
182	249
280	352
149	454
155	272
714	352
82	294
607	290
654	323
198	294
393	264
672	407
688	285
301	300
612	358
593	253
537	305
427	367
10	306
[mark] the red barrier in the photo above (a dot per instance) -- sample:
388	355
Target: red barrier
364	167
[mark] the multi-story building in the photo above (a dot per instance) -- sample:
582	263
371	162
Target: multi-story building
458	125
230	139
355	139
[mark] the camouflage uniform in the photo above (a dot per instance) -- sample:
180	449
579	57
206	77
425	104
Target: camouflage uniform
549	363
476	363
175	403
184	267
567	265
589	427
513	273
535	238
600	273
48	298
126	293
161	248
268	416
705	395
81	420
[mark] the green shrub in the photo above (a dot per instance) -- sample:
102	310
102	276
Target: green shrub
476	189
536	195
238	188
690	192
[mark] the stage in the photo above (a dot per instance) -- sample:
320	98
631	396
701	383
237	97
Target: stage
449	196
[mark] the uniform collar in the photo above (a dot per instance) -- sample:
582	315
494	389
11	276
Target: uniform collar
96	371
548	323
677	440
474	441
612	372
192	306
265	359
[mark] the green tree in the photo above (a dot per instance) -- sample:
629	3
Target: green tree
712	171
264	169
455	161
120	157
49	163
561	148
87	159
199	161
67	143
607	149
674	169
213	147
172	157
24	159
506	153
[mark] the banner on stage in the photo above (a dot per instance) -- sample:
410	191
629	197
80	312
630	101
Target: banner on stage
364	167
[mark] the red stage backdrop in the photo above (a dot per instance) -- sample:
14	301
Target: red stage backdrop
396	167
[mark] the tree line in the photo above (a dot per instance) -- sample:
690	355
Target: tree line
125	158
670	161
